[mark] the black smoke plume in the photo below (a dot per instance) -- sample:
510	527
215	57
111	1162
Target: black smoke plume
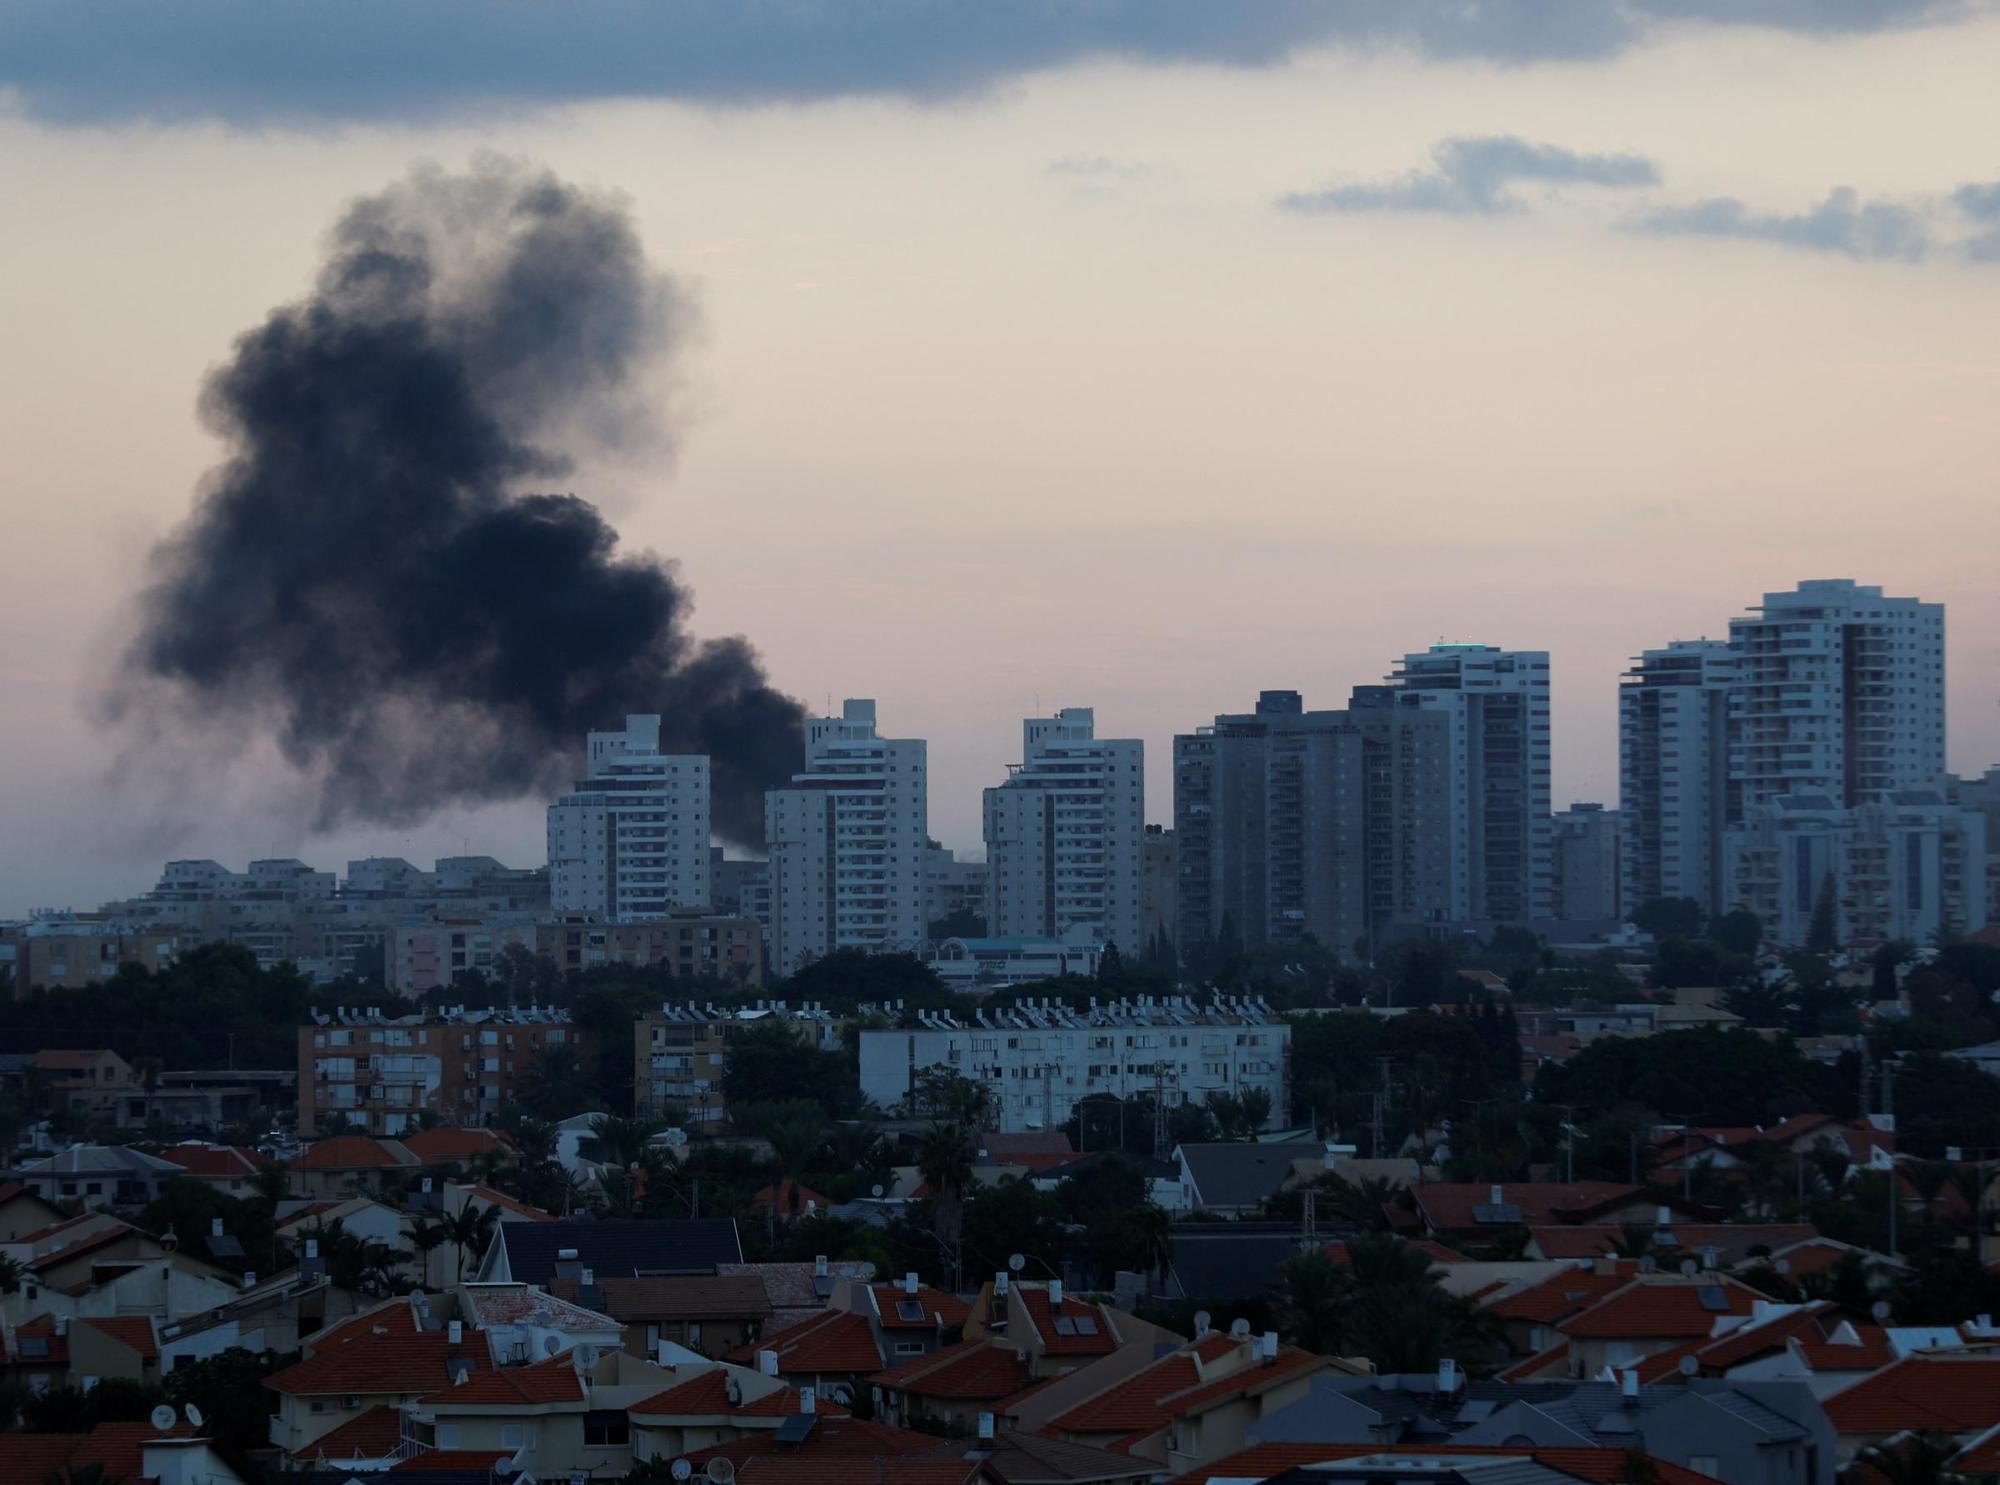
370	573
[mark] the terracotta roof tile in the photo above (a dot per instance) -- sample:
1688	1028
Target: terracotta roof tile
551	1381
1561	1295
832	1440
224	1161
707	1396
1287	1364
355	1152
31	1458
1922	1392
1658	1309
1099	1343
1450	1207
378	1352
372	1435
1138	1403
977	1369
135	1331
760	1200
830	1343
937	1307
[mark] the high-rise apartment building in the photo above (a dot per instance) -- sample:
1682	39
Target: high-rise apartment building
847	840
1675	797
1159	868
1587	851
1839	692
632	841
1327	826
1498	705
1064	835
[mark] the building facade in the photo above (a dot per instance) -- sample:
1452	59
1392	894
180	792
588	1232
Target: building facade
1587	885
1064	835
375	1073
1037	1063
633	840
847	841
1159	875
1498	705
1675	796
1839	693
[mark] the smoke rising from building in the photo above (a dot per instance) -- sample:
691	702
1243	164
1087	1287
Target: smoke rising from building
375	572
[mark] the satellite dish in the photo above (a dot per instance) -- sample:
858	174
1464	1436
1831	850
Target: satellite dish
163	1417
878	1189
551	1345
169	1240
1687	1272
1689	1366
1880	1309
682	1469
193	1415
1202	1319
720	1470
504	1468
1016	1262
1783	1265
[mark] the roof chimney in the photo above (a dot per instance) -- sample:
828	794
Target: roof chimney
909	1283
1496	1195
215	1227
1628	1385
808	1401
250	1278
767	1363
1447	1376
588	1277
1000	1283
1055	1291
455	1332
986	1425
1666	1216
1270	1347
819	1265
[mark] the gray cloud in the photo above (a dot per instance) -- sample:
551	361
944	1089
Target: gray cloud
1980	200
94	61
1099	169
1472	177
1871	231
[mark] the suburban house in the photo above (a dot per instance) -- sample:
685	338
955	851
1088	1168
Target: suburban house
708	1314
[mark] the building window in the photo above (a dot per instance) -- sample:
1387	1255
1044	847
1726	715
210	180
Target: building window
605	1429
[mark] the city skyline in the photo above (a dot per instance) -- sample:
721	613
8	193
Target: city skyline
1113	408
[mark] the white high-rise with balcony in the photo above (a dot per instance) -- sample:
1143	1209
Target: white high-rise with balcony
847	840
632	840
1065	835
1839	692
1673	772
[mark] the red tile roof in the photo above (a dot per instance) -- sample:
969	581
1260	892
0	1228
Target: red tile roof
1652	1309
981	1370
134	1331
1949	1394
372	1435
1043	1317
1449	1207
434	1146
1602	1466
707	1396
42	1327
1287	1365
96	1242
770	1469
1561	1295
829	1343
378	1352
42	1234
117	1447
1137	1404
1542	1363
507	1203
218	1161
833	1442
1597	1240
442	1461
354	1152
1981	1456
31	1458
938	1307
551	1381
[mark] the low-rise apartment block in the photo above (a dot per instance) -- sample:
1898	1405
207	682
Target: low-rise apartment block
679	1053
376	1072
1038	1061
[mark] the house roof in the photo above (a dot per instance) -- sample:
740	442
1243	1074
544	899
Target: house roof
117	1447
435	1146
1263	1461
60	1059
674	1296
507	1203
1561	1295
1059	1327
378	1351
521	1304
832	1440
1243	1175
133	1331
355	1152
215	1162
103	1160
937	1308
551	1381
620	1250
1018	1458
795	1286
372	1435
1653	1308
451	1462
32	1458
1732	1241
707	1396
1138	1403
981	1370
42	1330
1289	1364
1926	1391
835	1342
1454	1207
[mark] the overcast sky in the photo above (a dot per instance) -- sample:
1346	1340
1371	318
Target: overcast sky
1131	355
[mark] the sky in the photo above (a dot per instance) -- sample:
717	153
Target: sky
1127	356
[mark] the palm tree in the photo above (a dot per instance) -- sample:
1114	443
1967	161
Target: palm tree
427	1235
1365	1202
794	1142
1152	1238
1316	1307
472	1228
615	1140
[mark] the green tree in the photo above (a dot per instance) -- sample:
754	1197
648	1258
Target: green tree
1669	917
945	1161
1823	928
1739	932
228	1387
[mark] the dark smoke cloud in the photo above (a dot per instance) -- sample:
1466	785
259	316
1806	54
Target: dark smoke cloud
368	571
